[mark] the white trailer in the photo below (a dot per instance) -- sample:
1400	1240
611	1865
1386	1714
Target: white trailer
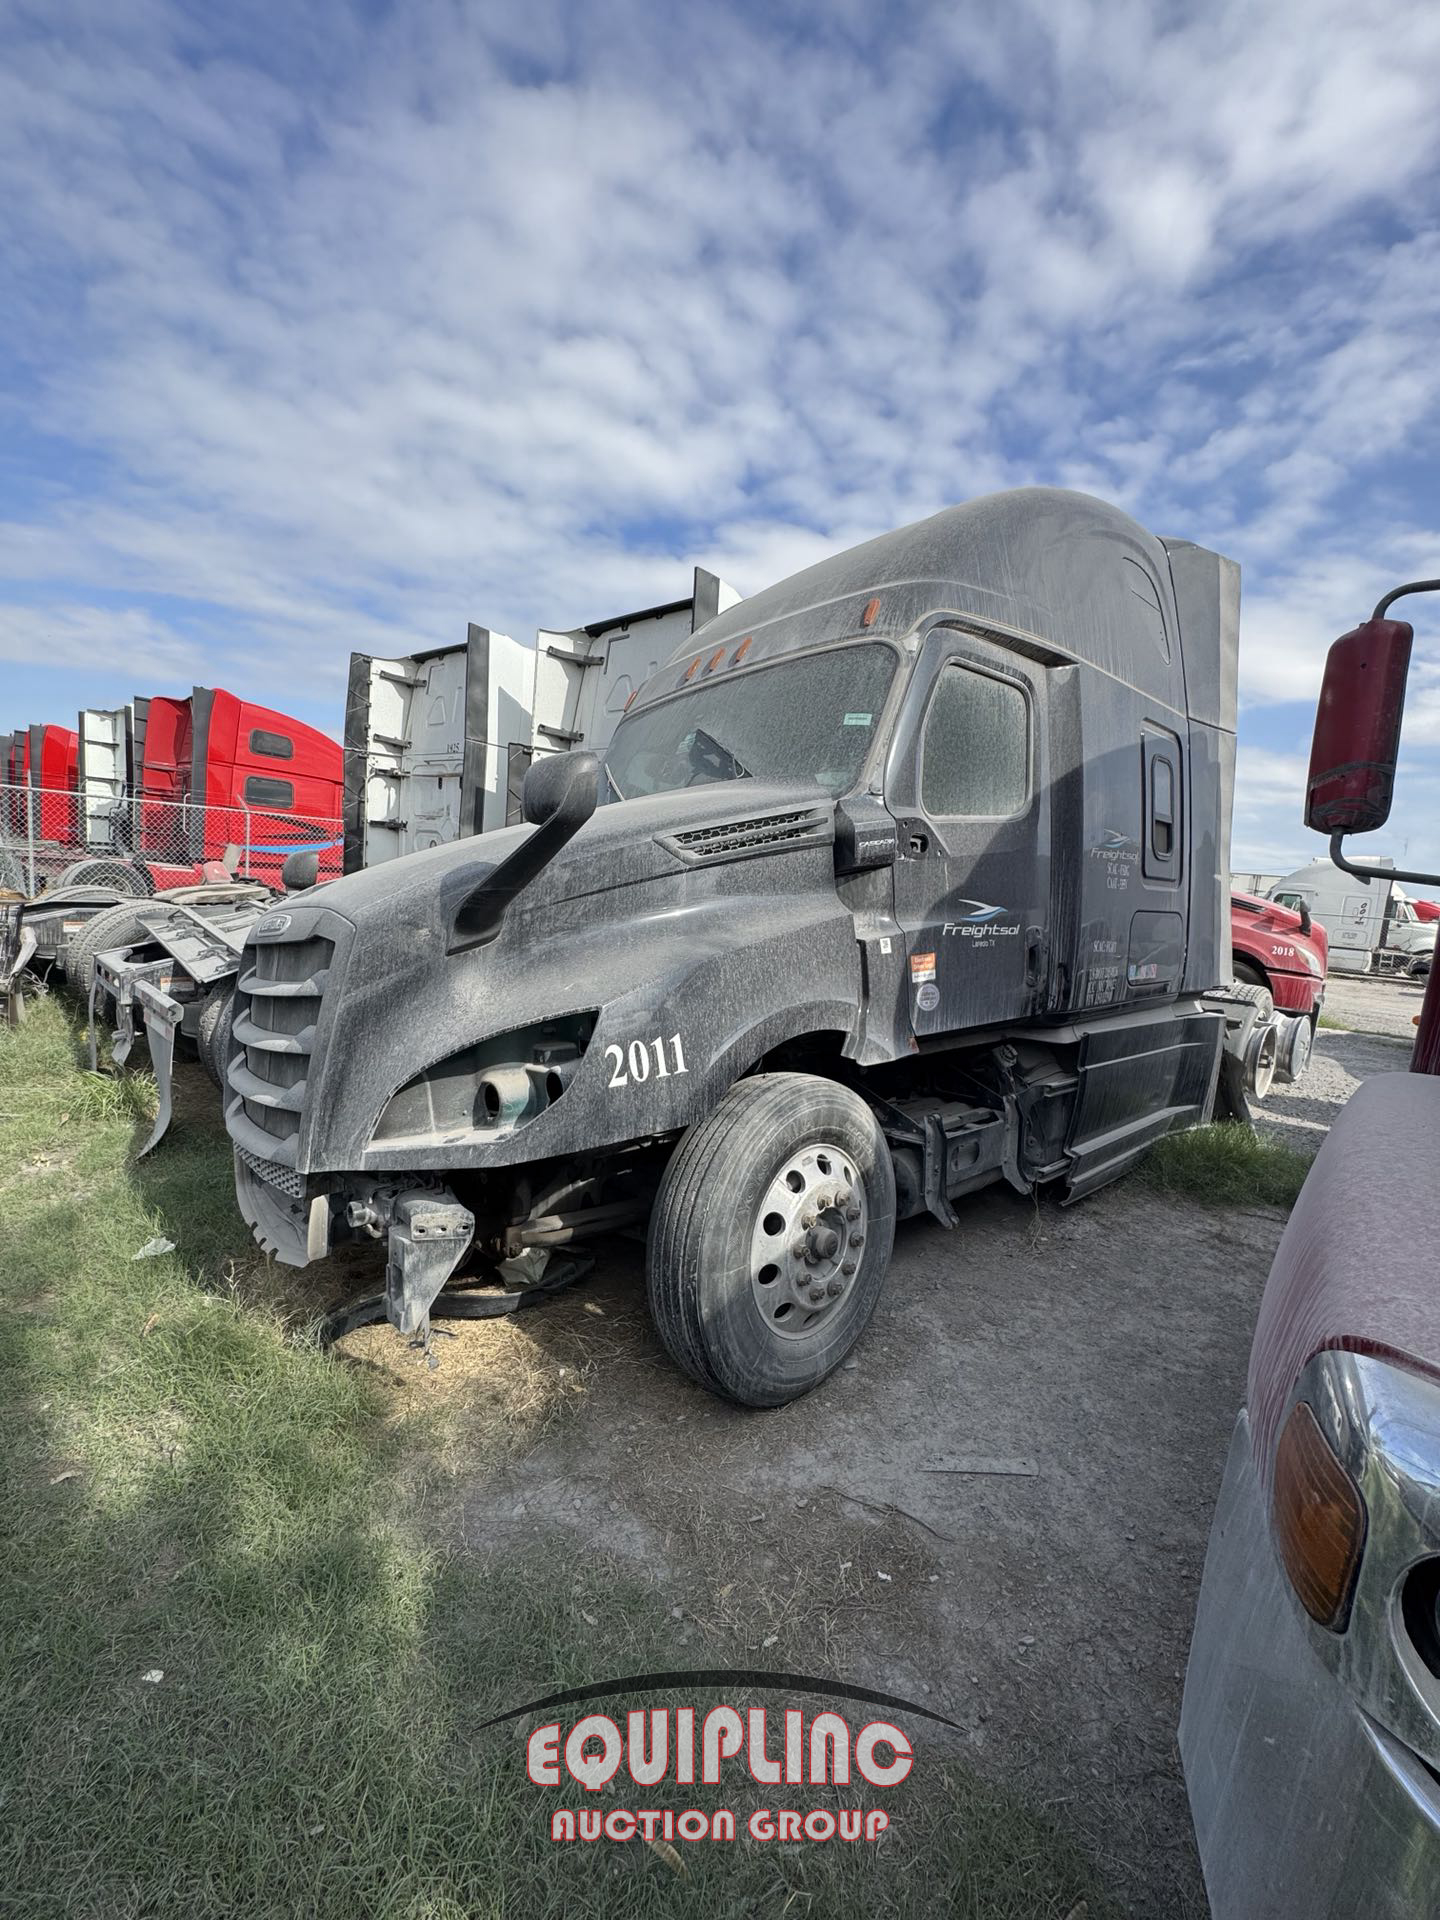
437	743
585	677
1372	925
425	742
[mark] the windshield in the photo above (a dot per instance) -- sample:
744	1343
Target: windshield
806	719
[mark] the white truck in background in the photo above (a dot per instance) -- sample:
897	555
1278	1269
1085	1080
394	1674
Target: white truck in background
1373	926
437	743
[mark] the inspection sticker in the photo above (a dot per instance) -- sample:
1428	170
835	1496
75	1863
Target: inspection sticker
927	999
922	966
858	719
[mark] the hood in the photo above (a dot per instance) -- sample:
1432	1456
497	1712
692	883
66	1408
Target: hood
622	843
1274	918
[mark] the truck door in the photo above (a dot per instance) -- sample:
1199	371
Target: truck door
967	787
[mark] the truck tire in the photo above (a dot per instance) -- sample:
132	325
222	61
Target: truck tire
123	875
1247	974
1262	1047
212	1037
117	926
778	1207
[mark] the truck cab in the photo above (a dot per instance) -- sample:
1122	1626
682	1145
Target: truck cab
905	876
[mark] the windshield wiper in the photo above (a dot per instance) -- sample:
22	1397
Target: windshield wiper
611	778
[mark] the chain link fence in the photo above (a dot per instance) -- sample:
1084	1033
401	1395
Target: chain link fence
48	832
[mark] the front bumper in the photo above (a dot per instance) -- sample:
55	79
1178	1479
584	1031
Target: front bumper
1304	1808
1297	993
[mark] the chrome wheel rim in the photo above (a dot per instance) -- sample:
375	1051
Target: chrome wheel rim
808	1239
1300	1048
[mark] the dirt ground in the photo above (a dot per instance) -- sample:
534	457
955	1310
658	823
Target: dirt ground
1374	1004
1000	1505
1300	1116
1095	1356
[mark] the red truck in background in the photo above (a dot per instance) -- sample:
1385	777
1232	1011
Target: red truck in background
52	763
143	796
1285	954
251	783
44	758
1275	947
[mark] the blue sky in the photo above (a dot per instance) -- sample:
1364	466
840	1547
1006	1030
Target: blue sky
328	327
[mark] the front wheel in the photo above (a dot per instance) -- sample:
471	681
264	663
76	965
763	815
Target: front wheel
770	1237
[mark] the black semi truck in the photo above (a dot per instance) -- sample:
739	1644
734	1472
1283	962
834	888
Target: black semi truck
904	876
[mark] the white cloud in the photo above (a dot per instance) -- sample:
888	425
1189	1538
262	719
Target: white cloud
396	322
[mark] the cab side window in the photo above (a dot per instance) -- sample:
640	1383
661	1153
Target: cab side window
975	756
263	792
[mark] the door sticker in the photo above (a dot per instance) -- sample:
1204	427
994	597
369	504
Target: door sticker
928	997
981	924
922	967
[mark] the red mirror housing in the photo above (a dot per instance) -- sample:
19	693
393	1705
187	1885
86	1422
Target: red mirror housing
1357	729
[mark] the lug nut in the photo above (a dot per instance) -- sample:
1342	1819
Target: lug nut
817	1294
848	1268
852	1213
808	1221
857	1239
800	1247
835	1289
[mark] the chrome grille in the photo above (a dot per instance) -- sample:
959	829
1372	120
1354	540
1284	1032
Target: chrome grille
277	1003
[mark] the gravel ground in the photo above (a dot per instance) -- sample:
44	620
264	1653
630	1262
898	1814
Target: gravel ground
1300	1116
1374	1005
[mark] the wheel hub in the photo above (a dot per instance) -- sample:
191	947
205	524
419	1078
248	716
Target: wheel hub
808	1239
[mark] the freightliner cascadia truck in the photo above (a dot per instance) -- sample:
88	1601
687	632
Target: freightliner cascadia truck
907	875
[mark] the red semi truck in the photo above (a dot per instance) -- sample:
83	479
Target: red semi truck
249	783
162	786
1285	954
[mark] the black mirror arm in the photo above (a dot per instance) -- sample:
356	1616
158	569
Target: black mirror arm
481	912
1367	874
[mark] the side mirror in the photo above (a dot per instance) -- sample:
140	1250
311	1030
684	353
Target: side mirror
563	786
301	870
1357	729
559	795
1307	919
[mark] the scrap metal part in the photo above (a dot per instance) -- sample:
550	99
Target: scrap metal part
430	1235
201	937
17	945
464	1300
162	1019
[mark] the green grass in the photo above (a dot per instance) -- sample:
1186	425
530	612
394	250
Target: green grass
1334	1025
187	1487
1226	1166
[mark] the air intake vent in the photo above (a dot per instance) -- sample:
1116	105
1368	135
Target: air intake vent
732	839
277	1002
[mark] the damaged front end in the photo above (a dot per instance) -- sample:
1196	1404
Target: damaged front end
477	1056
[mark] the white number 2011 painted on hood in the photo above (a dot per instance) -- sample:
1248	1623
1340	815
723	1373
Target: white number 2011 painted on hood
644	1057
